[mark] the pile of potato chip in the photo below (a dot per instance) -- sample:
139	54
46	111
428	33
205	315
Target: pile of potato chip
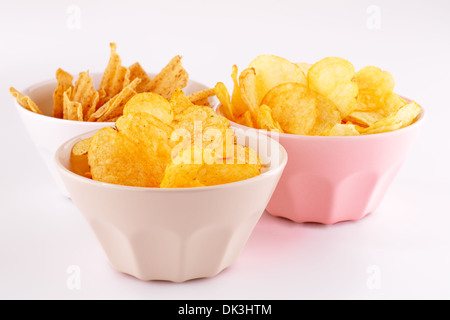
327	98
165	143
80	101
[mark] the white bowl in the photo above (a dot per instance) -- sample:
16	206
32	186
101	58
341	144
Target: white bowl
49	133
174	234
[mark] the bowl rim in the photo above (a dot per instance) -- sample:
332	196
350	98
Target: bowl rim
419	120
63	170
42	83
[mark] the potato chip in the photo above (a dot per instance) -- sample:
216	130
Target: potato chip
171	77
364	118
200	126
246	119
79	158
332	78
343	130
113	158
376	91
187	171
201	98
150	103
329	98
114	107
305	67
145	129
136	71
237	104
115	77
272	71
264	119
327	116
64	80
224	98
293	107
179	102
136	154
202	117
249	91
25	101
405	116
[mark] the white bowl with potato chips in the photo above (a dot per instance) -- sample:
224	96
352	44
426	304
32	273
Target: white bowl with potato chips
54	111
347	133
168	233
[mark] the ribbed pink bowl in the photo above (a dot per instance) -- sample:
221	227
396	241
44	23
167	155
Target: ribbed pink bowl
333	179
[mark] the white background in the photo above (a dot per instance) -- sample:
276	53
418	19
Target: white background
407	240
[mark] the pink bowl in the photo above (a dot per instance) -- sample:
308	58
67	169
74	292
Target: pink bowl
333	179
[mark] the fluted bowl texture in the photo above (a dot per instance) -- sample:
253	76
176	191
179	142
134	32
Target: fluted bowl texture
334	179
174	234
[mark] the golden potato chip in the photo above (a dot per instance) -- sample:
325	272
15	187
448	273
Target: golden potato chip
200	126
264	119
376	91
202	117
136	154
245	155
332	78
64	80
405	116
237	104
145	129
187	171
305	67
152	135
293	107
343	130
114	107
224	98
151	103
25	101
136	71
272	71
249	91
327	116
85	94
179	102
113	158
201	98
171	77
115	77
364	118
79	159
246	119
330	98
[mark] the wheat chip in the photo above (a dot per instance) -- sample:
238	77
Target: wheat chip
25	101
170	78
64	82
201	98
114	107
115	77
85	94
73	110
136	71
